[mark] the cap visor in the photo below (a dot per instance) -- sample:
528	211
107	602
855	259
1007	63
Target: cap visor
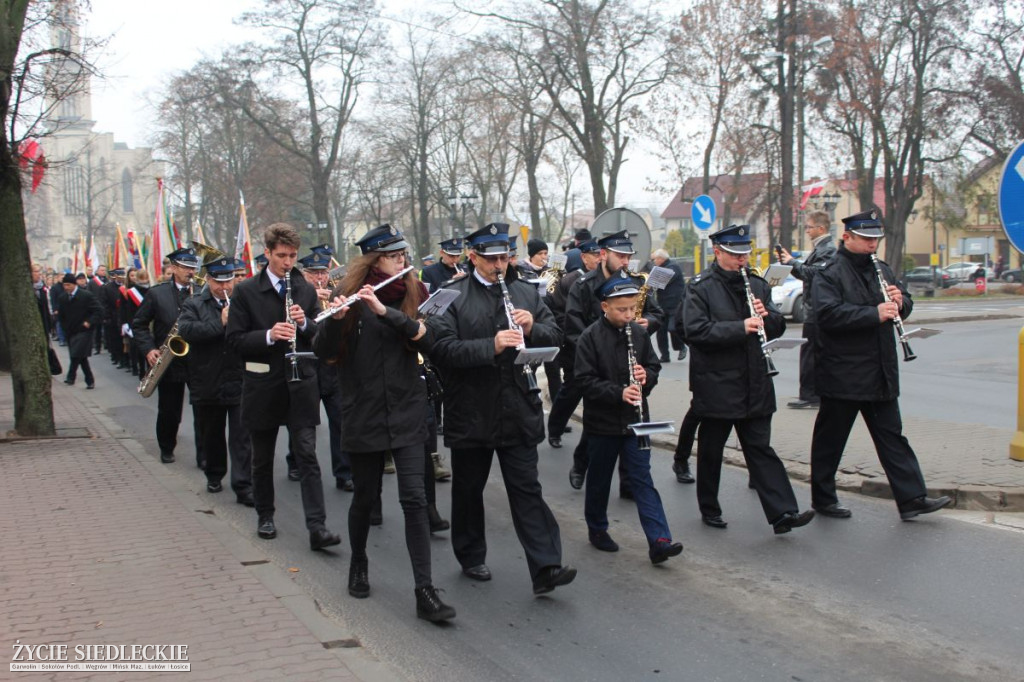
871	232
625	250
397	246
738	249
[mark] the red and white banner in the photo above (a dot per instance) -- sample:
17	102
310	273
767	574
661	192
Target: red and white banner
811	190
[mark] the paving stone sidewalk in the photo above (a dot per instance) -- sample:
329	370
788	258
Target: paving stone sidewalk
99	549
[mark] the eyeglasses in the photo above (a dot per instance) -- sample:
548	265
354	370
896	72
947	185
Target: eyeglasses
496	258
395	255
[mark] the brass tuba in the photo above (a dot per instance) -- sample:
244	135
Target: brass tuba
207	254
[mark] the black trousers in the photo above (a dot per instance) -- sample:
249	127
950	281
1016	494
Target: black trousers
766	470
553	371
687	434
366	477
665	333
86	370
568	397
831	431
112	337
807	391
303	441
341	467
170	397
240	451
212	420
535	525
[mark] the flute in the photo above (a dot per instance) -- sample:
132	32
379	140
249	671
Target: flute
908	354
334	310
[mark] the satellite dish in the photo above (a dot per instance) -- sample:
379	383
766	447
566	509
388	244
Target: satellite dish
617	219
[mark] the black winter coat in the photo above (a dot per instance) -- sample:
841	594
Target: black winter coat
822	254
73	313
214	368
383	394
602	372
435	275
269	399
486	401
856	356
160	308
584	307
727	368
671	296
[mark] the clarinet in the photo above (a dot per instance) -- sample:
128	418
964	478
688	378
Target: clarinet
531	380
643	442
769	366
908	354
294	355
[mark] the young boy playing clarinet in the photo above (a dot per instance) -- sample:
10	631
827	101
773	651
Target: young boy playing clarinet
617	368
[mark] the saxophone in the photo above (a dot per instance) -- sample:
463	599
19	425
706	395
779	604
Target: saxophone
641	299
173	347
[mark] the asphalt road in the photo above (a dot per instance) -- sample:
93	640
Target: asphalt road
868	598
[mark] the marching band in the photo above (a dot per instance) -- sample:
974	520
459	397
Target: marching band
263	352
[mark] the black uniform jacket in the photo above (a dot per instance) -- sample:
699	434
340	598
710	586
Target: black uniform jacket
97	290
822	254
603	372
111	299
671	296
435	275
856	354
727	368
584	307
486	401
214	367
160	307
558	298
383	395
268	398
73	313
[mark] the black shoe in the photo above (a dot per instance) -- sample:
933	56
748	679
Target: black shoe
69	382
90	386
625	493
714	521
344	484
602	541
922	505
214	487
377	514
791	520
576	478
359	578
665	359
166	457
266	528
567	429
555	441
682	472
293	475
836	511
201	464
551	577
682	355
323	538
479	572
750	483
437	524
430	607
245	499
663	549
802	404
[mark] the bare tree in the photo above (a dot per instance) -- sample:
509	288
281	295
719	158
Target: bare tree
999	39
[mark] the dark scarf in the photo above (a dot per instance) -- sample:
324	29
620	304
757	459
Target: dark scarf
860	261
732	279
394	293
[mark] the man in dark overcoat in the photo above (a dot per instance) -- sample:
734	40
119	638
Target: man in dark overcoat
79	314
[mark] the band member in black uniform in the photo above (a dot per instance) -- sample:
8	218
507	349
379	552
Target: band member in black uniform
374	346
314	268
729	380
819	230
262	329
568	396
858	371
584	308
215	378
617	373
110	297
490	408
79	314
448	268
161	308
95	286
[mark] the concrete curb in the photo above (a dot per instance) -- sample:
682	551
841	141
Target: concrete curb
332	635
966	497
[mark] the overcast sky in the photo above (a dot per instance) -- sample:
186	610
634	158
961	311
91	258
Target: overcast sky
151	41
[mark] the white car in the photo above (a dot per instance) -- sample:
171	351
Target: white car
788	297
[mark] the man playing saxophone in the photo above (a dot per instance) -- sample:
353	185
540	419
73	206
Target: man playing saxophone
161	308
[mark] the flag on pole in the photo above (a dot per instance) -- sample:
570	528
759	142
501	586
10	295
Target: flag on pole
198	235
122	256
92	259
243	244
133	250
164	241
811	190
79	260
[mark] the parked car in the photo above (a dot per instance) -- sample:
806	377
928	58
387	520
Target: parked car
924	276
788	297
961	272
1013	275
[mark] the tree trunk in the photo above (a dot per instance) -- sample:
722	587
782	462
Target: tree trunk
19	317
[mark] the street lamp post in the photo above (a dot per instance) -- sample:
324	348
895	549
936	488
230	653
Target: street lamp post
455	200
318	227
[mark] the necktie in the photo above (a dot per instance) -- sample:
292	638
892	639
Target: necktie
280	288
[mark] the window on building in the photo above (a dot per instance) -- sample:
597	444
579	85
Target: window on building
984	209
127	204
74	190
